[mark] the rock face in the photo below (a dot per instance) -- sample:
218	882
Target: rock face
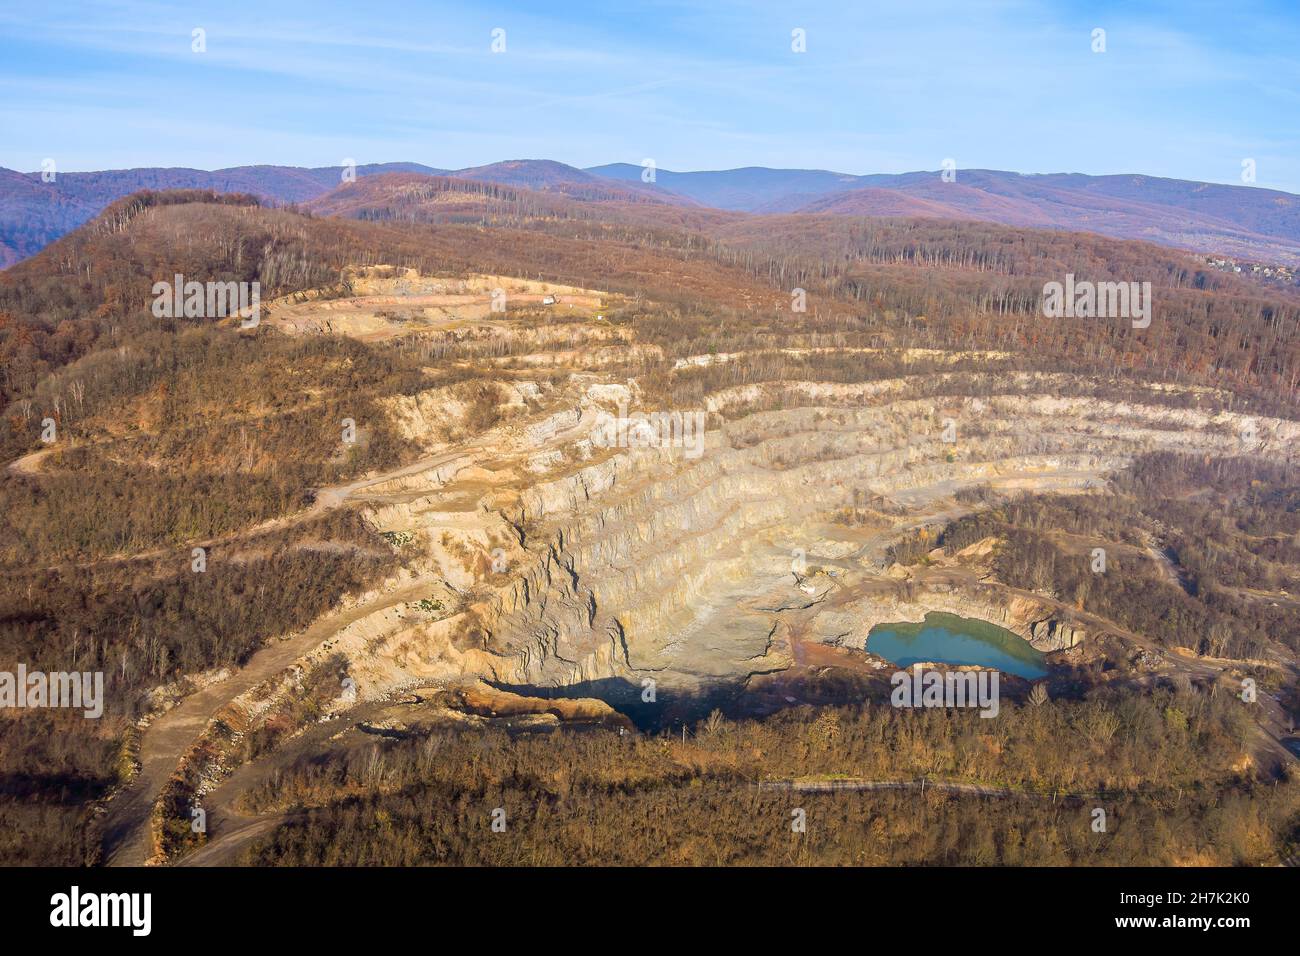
1055	635
848	623
628	564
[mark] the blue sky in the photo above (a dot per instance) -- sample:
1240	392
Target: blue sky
1184	89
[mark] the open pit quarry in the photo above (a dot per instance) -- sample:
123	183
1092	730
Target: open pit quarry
551	567
618	566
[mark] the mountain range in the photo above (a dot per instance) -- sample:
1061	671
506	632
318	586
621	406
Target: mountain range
1242	222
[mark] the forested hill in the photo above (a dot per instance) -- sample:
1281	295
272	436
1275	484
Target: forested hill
902	282
1250	223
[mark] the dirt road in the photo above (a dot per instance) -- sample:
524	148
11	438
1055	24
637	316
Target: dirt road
30	464
127	840
165	742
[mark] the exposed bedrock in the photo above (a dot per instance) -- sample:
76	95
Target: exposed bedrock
848	623
647	563
536	560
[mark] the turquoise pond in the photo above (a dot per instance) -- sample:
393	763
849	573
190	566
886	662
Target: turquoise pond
949	639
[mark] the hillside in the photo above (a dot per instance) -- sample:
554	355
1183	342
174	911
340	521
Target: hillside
1248	224
482	559
410	197
952	201
34	213
413	197
913	282
1231	220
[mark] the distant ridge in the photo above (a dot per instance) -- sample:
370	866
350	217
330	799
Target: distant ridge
1249	223
34	213
750	189
1244	221
545	175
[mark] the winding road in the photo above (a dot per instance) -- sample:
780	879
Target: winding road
164	743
